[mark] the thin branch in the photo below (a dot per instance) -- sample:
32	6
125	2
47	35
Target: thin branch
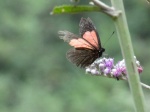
148	1
145	86
107	9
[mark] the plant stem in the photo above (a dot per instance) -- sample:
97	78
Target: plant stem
128	54
110	11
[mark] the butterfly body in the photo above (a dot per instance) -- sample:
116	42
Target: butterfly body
87	46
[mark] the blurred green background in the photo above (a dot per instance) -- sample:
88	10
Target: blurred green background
35	75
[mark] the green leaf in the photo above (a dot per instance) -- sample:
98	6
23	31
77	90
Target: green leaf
71	9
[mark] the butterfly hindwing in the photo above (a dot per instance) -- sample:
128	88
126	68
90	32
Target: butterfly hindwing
81	57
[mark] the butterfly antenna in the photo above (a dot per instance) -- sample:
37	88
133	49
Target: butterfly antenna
109	38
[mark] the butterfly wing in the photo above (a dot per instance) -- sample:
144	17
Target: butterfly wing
74	40
81	57
88	32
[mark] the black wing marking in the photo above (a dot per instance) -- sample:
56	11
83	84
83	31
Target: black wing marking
86	25
82	57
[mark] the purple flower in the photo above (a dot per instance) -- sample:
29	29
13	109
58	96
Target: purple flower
107	70
119	69
109	62
102	66
106	67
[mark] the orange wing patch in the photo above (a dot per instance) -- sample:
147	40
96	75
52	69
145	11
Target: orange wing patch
91	37
80	43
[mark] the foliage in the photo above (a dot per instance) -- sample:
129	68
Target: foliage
71	9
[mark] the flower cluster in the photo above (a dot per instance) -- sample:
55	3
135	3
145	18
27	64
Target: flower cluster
106	67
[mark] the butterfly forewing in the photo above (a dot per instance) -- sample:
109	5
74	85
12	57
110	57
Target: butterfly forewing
74	40
87	27
91	38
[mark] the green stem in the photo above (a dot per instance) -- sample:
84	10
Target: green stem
128	54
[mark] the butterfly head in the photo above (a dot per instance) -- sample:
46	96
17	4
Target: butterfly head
101	52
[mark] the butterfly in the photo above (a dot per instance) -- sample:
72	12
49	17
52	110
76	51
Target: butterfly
86	47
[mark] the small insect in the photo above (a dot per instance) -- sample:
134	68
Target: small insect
87	46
